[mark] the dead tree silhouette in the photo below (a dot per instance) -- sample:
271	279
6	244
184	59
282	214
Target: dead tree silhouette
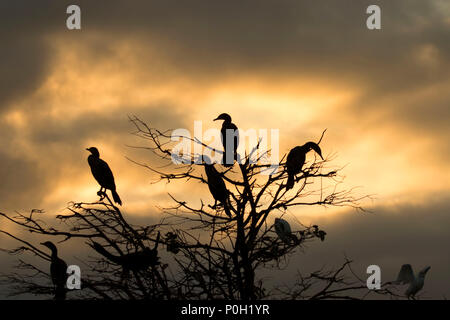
208	254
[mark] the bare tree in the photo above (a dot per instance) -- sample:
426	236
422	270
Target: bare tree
208	253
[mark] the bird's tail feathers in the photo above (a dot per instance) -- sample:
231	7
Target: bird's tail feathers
99	248
226	207
116	197
290	182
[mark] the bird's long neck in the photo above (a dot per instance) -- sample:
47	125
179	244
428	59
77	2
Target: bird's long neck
54	252
226	121
226	124
93	157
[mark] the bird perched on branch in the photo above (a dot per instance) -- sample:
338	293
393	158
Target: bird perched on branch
406	275
172	243
136	261
284	232
296	159
230	139
217	186
103	174
58	271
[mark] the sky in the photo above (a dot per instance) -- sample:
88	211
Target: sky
297	66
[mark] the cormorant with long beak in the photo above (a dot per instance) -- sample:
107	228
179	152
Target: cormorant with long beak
216	185
103	174
230	139
58	271
296	159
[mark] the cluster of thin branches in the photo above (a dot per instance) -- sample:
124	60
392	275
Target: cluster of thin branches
197	252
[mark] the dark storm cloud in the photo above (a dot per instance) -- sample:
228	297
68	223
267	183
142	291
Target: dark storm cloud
22	72
24	56
299	39
116	122
288	36
272	38
21	183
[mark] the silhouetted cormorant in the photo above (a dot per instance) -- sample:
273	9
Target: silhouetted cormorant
58	271
216	185
406	275
135	261
232	129
103	174
296	159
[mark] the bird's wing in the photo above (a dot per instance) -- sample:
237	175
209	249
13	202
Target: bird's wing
283	229
224	129
295	160
414	287
286	227
58	271
106	174
215	183
236	137
278	230
406	274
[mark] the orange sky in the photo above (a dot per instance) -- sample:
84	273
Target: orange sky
383	95
78	86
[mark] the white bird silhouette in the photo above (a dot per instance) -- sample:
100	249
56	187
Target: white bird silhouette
283	230
406	275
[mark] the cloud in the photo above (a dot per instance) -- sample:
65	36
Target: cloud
300	66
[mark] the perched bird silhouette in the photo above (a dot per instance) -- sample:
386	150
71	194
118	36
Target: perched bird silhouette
283	230
296	159
136	261
230	139
217	186
103	174
406	275
58	271
172	243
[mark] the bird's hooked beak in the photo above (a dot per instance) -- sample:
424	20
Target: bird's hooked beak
316	148
218	118
425	270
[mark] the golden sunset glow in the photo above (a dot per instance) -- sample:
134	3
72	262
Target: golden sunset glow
383	97
79	86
